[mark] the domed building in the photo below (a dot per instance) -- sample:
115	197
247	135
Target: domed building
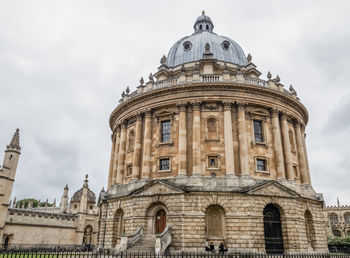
207	152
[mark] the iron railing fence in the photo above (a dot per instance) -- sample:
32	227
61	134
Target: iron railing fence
21	253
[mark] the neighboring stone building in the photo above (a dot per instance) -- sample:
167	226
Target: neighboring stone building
71	224
205	151
338	222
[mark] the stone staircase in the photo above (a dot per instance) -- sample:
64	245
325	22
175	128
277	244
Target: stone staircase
145	245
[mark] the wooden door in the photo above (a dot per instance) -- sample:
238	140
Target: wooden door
160	221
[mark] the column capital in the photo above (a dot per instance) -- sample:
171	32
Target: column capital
182	106
298	123
124	124
241	104
284	115
227	104
274	112
148	113
196	105
138	115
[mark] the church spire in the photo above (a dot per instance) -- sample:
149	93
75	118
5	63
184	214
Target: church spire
14	144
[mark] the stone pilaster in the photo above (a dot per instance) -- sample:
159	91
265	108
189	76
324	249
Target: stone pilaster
228	139
116	156
182	155
277	144
301	154
196	144
242	139
146	167
137	148
286	148
111	162
121	158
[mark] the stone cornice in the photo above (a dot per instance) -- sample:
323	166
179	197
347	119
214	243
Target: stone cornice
200	86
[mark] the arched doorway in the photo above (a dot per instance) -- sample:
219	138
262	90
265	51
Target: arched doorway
160	223
215	221
87	239
6	242
273	230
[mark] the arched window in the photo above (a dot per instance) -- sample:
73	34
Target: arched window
200	27
212	128
333	218
207	26
215	222
131	141
272	230
336	232
310	231
118	226
291	140
347	218
87	239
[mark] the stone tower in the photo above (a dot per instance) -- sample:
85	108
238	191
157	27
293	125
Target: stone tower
64	200
7	177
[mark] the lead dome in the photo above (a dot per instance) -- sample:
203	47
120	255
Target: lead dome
191	48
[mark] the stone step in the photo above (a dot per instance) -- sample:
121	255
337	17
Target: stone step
145	245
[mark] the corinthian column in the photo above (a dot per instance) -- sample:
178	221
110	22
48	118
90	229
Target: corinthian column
242	138
277	144
116	156
306	157
301	154
111	161
286	148
137	149
182	140
121	158
146	168
229	157
196	144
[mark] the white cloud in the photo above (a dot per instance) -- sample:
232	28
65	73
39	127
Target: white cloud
63	66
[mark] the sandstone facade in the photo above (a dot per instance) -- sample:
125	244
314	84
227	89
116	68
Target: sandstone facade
71	224
214	152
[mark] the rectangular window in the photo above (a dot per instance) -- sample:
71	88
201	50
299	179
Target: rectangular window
213	162
261	164
258	132
295	171
165	130
129	170
164	164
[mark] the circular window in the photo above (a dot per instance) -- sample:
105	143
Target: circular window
225	45
187	45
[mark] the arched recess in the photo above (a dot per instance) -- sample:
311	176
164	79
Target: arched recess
212	128
215	223
131	140
273	230
118	226
347	218
310	230
333	218
156	218
87	238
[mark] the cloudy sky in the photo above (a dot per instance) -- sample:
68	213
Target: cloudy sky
64	64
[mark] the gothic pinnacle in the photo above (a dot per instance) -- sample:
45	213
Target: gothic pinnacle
14	144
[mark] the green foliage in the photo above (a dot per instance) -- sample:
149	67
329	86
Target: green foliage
28	200
339	241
